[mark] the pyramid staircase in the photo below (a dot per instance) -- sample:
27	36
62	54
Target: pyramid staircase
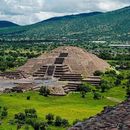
71	87
41	72
94	80
60	70
71	77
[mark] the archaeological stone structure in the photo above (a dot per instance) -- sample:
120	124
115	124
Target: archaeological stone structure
66	63
111	118
63	69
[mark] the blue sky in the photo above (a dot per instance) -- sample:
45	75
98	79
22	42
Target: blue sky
30	11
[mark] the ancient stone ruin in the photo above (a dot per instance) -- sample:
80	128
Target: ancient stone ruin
111	118
66	63
70	66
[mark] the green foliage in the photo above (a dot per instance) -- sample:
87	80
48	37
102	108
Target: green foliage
3	112
20	118
58	121
76	106
96	95
117	82
44	91
105	85
50	118
30	113
28	97
84	88
103	26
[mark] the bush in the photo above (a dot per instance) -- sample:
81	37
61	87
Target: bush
28	97
20	118
58	121
65	123
4	112
50	118
111	73
84	88
117	82
96	95
26	127
30	113
44	91
105	85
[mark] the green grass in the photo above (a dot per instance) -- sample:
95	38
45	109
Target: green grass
70	107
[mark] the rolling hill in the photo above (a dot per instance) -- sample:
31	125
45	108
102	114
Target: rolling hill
4	24
108	26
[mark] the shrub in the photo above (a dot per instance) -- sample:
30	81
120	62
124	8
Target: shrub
28	97
43	126
20	118
44	91
30	113
105	85
36	125
96	95
50	118
4	112
84	88
65	123
26	127
58	121
117	82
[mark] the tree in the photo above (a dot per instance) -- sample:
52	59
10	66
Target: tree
96	95
44	91
43	126
36	125
117	82
58	121
65	123
84	88
4	112
50	118
20	118
28	97
31	113
104	86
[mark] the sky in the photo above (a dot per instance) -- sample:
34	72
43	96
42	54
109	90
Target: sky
25	12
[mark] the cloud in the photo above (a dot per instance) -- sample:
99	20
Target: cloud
31	11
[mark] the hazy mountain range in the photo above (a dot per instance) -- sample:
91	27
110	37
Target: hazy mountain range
114	25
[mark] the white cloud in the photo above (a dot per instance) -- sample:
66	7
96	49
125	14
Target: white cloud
31	11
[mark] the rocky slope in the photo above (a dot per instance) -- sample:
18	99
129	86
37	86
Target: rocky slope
111	118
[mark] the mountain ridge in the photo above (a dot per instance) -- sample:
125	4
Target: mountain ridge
4	24
101	26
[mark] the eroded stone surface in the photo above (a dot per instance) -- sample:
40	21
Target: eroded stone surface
111	118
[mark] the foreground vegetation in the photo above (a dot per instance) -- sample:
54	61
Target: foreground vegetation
70	107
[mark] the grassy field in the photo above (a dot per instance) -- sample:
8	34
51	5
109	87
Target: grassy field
70	107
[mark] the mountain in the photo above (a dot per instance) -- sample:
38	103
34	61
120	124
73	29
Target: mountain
94	26
4	24
68	17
